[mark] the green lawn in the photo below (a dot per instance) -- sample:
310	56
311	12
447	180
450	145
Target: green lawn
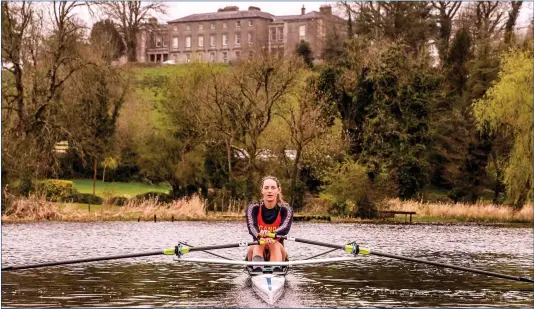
117	188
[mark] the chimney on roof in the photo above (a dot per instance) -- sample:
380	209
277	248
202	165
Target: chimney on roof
254	8
303	10
326	9
232	8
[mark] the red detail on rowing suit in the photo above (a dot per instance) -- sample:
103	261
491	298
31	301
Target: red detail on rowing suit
270	227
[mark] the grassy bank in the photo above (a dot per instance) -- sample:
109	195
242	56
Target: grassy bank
105	189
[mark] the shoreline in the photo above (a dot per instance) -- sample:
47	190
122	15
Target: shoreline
223	218
195	209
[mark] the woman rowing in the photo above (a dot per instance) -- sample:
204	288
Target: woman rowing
272	215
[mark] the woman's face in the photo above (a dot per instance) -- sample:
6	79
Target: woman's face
270	190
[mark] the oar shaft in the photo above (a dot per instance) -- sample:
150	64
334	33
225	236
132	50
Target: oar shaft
86	260
399	257
166	251
473	270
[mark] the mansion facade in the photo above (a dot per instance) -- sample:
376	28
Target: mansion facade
229	34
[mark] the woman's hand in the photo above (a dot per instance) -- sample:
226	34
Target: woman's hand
263	233
267	240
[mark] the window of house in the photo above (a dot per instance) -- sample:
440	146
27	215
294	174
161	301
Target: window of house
201	27
201	41
238	38
280	33
250	54
175	42
225	57
188	41
200	55
174	57
224	25
238	54
164	43
187	27
225	39
273	34
175	28
250	23
187	58
212	56
238	24
250	38
302	30
212	26
212	40
158	41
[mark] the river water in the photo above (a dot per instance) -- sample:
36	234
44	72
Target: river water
160	281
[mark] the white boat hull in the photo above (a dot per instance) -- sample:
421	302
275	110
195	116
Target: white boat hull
269	287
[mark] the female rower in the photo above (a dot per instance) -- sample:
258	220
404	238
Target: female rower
272	215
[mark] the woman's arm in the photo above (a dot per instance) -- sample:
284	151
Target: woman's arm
286	214
252	219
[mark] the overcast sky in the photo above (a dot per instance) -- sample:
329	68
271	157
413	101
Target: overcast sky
181	9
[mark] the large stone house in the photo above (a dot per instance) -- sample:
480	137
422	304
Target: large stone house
230	34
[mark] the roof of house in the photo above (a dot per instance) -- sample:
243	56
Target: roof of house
224	15
310	15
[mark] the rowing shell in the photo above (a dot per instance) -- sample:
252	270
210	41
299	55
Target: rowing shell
269	282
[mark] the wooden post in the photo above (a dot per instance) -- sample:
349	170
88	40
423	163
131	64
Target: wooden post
410	218
154	217
139	219
172	218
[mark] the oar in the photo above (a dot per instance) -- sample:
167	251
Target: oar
178	250
356	249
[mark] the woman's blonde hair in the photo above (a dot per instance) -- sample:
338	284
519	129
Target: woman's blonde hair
279	197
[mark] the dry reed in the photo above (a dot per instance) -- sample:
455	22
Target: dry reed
480	212
38	209
33	208
184	209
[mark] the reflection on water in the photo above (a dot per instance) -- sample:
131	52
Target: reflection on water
162	282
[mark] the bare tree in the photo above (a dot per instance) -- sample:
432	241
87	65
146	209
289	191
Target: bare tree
40	55
259	87
16	21
131	17
446	12
220	115
487	17
513	13
307	121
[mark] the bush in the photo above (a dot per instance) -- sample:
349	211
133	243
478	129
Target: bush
54	189
117	201
352	193
84	198
347	182
160	196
